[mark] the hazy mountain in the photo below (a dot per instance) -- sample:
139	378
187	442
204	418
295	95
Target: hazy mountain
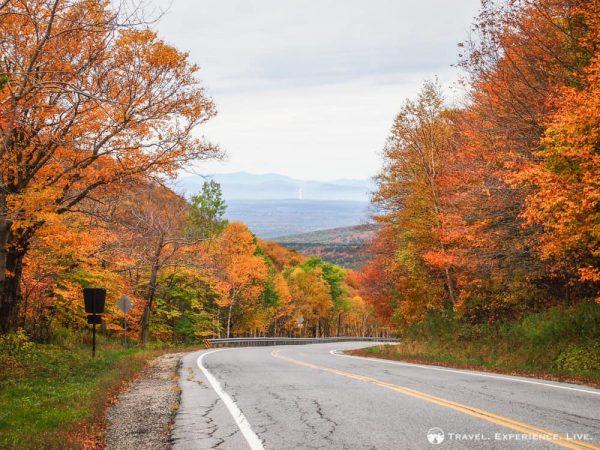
275	205
271	186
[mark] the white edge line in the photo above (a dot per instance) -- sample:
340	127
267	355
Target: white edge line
467	372
253	440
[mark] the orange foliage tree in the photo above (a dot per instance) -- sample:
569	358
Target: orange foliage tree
89	101
241	271
508	218
410	205
311	296
566	181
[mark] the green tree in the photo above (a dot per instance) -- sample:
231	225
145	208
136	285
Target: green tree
186	308
332	274
207	210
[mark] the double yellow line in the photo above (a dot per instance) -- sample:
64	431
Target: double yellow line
536	432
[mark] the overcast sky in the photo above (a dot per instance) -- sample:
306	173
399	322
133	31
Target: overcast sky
309	88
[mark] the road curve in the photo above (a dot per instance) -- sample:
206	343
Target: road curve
312	397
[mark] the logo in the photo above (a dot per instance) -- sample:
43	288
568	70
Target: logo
435	435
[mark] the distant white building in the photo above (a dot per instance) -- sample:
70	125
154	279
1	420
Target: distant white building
299	193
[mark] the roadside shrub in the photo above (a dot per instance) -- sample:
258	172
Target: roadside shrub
580	358
560	339
558	325
15	344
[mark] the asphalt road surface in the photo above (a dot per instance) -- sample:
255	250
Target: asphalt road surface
312	397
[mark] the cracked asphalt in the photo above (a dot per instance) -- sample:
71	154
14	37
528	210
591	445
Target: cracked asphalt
305	397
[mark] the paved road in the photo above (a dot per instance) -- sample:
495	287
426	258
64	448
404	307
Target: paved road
310	397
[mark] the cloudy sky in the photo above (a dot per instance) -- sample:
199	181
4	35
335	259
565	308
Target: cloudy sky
309	88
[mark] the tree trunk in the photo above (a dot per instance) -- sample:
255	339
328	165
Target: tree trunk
9	287
229	320
5	225
450	288
145	322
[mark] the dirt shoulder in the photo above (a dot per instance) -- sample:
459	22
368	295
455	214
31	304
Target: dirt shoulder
143	416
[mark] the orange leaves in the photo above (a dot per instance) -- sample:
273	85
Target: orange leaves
103	92
281	256
310	292
567	181
499	201
240	271
236	260
90	104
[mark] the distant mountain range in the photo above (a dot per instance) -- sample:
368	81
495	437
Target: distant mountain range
272	186
274	205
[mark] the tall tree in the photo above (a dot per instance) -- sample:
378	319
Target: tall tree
239	268
566	181
90	100
152	226
410	202
523	53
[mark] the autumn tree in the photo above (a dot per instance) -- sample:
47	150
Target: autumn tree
71	252
492	208
566	181
311	295
241	271
377	281
410	203
90	100
151	222
522	55
335	277
283	315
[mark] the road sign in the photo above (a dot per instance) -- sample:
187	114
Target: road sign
124	304
94	299
94	319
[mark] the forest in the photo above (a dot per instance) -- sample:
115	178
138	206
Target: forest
490	209
97	113
486	249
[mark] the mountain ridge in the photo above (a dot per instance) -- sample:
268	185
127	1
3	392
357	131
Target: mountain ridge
274	186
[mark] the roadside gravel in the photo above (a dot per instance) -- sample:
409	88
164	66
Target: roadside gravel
143	415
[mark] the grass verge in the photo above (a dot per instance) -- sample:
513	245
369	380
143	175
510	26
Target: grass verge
561	344
54	396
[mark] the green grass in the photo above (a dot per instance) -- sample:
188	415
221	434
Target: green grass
561	343
53	396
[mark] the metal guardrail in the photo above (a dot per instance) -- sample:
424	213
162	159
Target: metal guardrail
265	341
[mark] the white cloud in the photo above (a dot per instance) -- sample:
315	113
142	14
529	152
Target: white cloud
309	88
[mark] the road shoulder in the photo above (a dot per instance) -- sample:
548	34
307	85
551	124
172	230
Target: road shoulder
143	415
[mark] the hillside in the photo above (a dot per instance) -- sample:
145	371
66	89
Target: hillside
344	246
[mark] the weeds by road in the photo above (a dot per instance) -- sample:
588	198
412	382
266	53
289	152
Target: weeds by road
561	344
55	395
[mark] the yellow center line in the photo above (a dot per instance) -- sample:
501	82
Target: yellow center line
531	430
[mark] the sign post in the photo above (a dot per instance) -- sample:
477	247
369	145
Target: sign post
125	305
300	323
94	299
